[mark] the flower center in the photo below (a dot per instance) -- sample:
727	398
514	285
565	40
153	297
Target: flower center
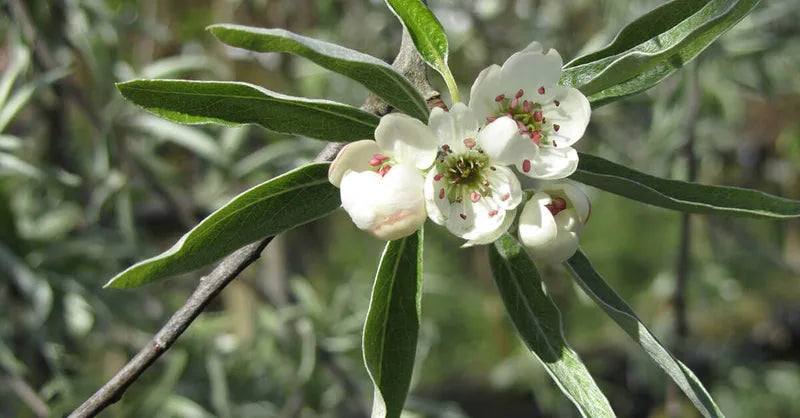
556	205
382	163
462	175
528	115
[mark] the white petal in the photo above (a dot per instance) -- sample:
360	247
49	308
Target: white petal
407	140
571	115
478	225
438	208
456	223
484	90
453	126
558	250
568	220
508	219
388	207
503	143
537	226
529	70
356	190
354	156
505	187
551	163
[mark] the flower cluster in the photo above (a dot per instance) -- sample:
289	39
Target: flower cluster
456	169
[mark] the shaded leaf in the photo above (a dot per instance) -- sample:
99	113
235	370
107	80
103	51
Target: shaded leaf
392	325
376	75
681	195
653	47
232	103
538	322
593	284
295	198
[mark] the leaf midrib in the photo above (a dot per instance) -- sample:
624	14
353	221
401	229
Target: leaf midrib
388	310
626	180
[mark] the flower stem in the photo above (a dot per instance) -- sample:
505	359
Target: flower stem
451	84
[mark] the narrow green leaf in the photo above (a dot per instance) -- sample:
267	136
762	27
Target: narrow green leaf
538	322
653	47
681	195
428	36
376	75
392	325
295	198
232	103
20	58
593	284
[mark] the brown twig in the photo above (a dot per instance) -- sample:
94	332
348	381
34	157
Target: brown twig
408	63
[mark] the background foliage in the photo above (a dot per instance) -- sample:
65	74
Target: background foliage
89	184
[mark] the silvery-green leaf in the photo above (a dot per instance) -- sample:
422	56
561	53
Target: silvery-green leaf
593	284
233	103
376	75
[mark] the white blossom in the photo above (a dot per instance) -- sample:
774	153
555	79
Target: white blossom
552	220
381	181
550	117
469	190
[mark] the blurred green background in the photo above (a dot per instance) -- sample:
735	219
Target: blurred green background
89	184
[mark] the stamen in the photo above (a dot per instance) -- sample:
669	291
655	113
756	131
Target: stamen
446	148
474	197
457	180
470	143
537	116
458	199
438	177
385	169
514	104
526	166
519	94
554	143
492	213
374	162
541	90
491	119
536	136
500	98
556	127
486	183
380	157
441	193
557	103
559	203
464	217
506	196
493	168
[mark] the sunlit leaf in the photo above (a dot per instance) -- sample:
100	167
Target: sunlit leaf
653	47
390	332
428	36
376	75
538	322
681	195
593	284
233	103
280	204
